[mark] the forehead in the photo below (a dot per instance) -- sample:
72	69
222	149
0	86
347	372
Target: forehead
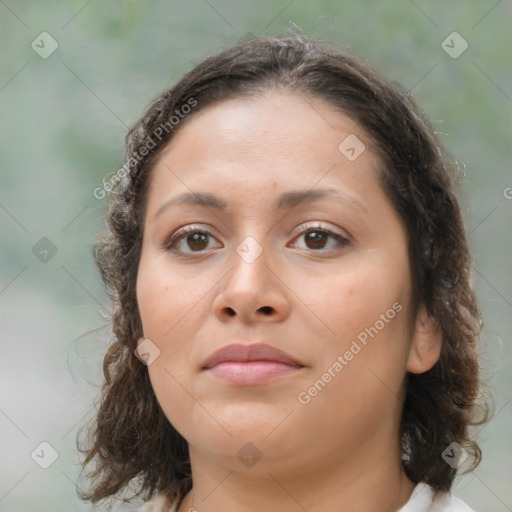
273	119
266	142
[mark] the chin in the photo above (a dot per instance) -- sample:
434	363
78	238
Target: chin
236	425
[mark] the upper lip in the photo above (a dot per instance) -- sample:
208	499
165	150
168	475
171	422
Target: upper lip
238	352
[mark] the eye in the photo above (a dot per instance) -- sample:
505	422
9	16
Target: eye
197	240
190	237
317	237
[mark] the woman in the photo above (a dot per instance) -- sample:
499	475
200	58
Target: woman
293	321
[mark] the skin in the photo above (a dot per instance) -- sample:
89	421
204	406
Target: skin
341	450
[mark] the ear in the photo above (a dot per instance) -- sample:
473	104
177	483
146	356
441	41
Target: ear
426	343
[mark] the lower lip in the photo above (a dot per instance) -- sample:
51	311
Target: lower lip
252	372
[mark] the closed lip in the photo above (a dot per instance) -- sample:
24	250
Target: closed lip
243	353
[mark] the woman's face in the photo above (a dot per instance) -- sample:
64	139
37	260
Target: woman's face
296	246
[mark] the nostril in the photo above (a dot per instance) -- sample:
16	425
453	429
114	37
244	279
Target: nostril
230	311
266	309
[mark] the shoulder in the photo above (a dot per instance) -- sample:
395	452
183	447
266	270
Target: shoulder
422	500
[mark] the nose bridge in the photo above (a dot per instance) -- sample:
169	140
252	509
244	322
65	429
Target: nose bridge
251	251
251	290
251	259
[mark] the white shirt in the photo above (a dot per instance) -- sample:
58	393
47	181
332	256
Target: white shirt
421	500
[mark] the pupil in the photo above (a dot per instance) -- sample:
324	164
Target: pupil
316	238
196	239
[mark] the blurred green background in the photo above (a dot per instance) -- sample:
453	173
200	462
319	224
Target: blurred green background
63	117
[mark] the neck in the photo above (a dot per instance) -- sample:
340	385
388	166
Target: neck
372	481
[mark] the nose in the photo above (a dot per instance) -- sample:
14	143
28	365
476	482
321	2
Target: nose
252	291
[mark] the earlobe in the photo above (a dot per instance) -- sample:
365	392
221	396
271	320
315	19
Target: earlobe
426	343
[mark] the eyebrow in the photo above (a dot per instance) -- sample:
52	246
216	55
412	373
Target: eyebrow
285	201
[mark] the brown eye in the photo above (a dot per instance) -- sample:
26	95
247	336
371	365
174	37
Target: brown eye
197	241
316	239
189	240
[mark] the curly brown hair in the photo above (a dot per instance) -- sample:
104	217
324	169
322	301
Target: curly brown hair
132	441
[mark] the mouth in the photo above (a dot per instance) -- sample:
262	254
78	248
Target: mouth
246	365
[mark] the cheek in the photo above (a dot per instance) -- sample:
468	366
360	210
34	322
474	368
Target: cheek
166	308
353	298
164	299
366	310
359	375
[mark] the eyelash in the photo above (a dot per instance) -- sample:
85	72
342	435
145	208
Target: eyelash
170	245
